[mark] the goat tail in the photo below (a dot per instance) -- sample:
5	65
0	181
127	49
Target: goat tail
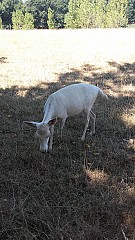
102	94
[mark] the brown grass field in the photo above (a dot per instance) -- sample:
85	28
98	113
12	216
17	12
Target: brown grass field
81	191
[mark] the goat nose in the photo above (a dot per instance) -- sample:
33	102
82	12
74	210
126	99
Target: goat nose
43	150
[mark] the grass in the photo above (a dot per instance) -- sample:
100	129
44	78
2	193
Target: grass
131	25
82	191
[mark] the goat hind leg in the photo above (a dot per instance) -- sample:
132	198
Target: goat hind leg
93	117
51	138
86	126
62	125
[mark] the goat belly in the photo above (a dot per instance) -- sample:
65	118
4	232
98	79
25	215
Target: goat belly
74	109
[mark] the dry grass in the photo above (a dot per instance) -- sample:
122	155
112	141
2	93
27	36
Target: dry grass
82	191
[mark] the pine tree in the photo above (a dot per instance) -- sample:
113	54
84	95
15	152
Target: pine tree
50	20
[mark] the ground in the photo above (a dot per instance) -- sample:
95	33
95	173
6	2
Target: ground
82	190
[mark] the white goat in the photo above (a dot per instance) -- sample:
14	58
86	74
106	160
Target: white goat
66	102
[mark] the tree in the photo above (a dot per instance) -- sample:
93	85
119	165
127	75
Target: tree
6	9
100	13
0	23
69	13
18	19
96	13
83	14
116	13
39	10
50	20
60	8
131	11
71	18
22	21
28	21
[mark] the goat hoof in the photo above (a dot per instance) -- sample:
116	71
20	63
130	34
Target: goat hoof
50	150
92	134
82	138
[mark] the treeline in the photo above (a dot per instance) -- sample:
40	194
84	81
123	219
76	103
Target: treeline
29	14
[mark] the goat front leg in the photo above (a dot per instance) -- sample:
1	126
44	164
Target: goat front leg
51	138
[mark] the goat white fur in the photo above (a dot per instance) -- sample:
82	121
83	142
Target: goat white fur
66	102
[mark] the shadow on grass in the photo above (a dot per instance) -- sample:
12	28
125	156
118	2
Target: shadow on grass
82	190
3	60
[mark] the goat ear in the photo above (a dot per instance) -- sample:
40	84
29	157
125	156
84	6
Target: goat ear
52	121
32	124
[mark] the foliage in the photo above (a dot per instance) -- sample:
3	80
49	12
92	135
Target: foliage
116	13
6	9
28	21
22	21
39	10
72	16
131	11
99	13
50	20
84	14
17	19
0	23
60	8
71	13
